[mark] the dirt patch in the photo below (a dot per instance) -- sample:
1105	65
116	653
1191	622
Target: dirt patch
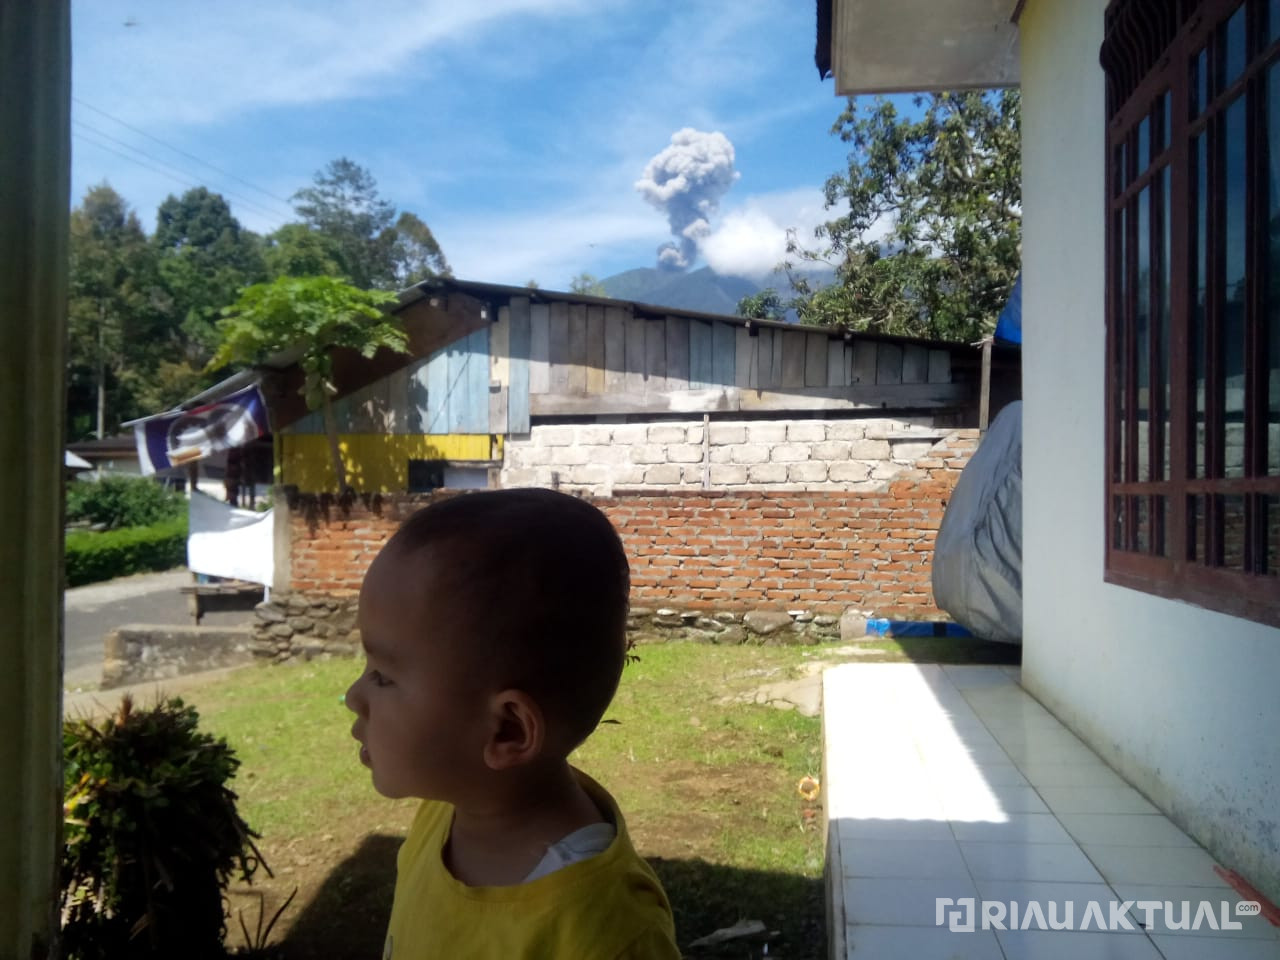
343	901
698	782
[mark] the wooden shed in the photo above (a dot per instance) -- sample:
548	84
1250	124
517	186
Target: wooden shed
490	363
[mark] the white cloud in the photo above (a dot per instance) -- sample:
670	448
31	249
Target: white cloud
751	240
550	246
198	63
748	243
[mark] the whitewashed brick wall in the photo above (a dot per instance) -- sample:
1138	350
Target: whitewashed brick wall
757	455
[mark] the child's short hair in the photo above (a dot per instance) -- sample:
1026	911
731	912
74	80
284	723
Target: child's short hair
542	582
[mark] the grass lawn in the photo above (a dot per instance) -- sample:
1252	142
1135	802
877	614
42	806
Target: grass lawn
708	786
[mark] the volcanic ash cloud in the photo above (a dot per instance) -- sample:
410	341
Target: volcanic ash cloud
686	181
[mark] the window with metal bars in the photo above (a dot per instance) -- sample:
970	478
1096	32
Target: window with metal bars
1193	301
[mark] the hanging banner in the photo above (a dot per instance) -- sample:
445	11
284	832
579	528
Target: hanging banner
226	542
183	436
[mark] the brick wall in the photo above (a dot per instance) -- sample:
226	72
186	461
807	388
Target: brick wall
334	542
746	549
819	551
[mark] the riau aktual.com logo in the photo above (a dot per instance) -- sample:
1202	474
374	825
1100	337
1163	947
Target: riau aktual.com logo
968	914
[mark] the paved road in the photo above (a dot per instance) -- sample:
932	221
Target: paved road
93	611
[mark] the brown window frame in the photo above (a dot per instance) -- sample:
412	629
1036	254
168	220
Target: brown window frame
1165	523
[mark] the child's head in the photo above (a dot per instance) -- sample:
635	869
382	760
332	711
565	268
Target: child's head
494	625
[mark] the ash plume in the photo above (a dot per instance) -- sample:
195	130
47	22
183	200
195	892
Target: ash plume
686	181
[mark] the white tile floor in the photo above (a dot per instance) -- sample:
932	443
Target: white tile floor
953	782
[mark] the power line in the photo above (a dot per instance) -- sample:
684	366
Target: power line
102	146
176	173
257	205
169	146
254	204
172	173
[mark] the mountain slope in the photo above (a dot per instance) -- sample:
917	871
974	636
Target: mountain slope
703	290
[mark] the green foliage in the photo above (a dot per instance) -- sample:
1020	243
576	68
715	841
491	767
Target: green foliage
143	312
169	382
588	284
360	232
415	254
151	835
296	250
123	501
206	257
91	557
930	241
115	306
765	305
315	314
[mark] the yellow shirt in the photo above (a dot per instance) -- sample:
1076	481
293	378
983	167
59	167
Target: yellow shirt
608	906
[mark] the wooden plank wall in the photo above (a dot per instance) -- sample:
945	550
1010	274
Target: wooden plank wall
561	358
521	367
445	393
690	363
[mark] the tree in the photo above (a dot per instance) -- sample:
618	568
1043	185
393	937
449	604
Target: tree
344	208
930	241
765	305
587	284
205	258
319	315
114	309
359	232
415	254
297	250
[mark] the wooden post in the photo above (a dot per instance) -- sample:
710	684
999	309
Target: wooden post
35	75
281	540
706	451
984	399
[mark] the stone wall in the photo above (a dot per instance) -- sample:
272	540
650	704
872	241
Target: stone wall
732	627
323	633
788	455
137	653
305	625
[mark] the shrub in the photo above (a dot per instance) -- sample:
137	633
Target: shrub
91	557
151	835
123	501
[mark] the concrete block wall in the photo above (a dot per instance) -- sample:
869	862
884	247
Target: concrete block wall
780	455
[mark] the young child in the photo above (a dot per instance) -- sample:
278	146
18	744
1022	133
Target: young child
494	631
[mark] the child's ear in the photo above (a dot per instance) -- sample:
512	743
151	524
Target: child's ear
518	730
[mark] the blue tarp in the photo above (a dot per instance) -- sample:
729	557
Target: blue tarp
916	628
1009	326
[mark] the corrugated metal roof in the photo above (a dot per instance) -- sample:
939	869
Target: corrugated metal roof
482	290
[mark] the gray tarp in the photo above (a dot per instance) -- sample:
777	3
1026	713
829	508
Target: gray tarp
977	557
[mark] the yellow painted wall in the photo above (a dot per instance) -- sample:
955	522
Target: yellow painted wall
375	462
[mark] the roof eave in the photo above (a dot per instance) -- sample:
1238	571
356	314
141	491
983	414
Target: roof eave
906	46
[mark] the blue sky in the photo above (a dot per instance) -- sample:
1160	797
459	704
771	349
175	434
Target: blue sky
517	129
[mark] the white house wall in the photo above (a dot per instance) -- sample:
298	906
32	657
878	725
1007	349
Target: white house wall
1184	702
